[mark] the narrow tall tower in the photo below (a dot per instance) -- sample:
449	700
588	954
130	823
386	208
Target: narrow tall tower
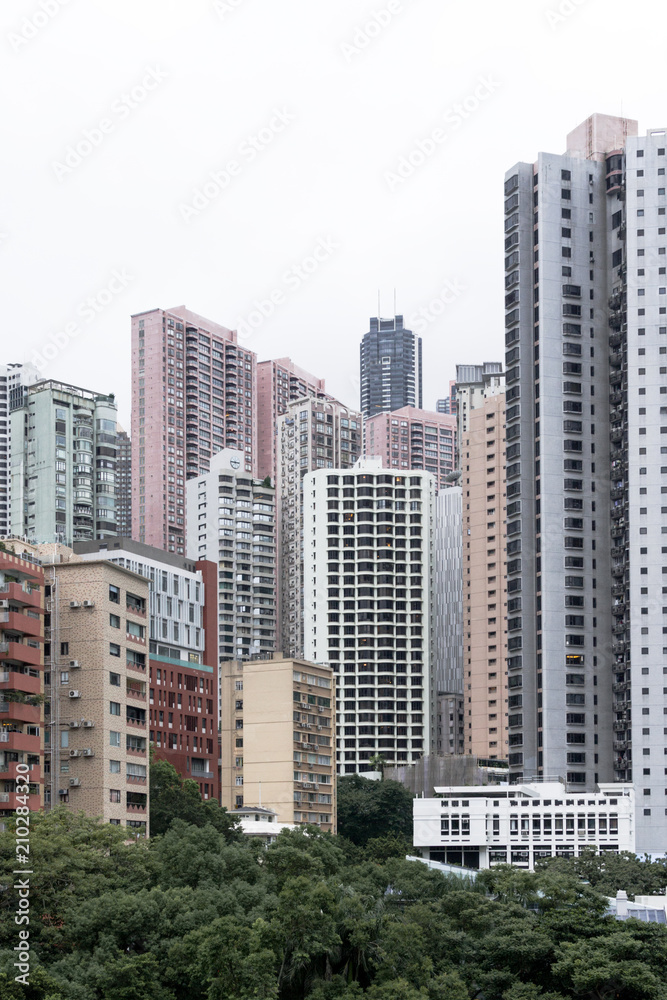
391	367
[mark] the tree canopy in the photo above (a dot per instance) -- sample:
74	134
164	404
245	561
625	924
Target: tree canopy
198	913
369	809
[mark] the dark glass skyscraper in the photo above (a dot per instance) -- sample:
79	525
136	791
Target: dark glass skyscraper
391	367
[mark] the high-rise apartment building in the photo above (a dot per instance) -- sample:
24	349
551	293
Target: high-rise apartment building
96	664
278	739
485	604
474	384
14	378
232	524
21	681
586	247
368	606
390	367
124	483
448	607
64	453
182	655
413	439
279	383
194	392
314	433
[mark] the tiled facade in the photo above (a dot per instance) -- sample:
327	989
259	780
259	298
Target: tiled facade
485	604
96	683
413	439
194	392
21	682
390	367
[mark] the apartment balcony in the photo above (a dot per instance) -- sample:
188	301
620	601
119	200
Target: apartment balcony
136	779
616	397
616	378
618	590
619	727
20	593
10	680
618	609
620	745
20	652
620	687
18	711
10	772
618	551
26	622
615	339
136	750
618	493
136	693
12	800
619	647
135	723
13	740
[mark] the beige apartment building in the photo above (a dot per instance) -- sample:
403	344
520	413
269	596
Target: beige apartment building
278	739
484	580
95	682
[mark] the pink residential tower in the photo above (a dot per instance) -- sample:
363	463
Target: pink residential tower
194	392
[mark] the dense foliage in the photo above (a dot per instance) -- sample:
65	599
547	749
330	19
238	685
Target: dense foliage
193	915
173	797
368	809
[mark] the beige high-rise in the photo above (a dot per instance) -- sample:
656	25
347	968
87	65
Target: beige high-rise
278	739
484	579
96	668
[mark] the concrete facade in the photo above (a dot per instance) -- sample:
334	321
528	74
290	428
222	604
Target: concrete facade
585	246
232	524
313	434
279	383
194	392
64	454
518	824
278	739
369	607
14	378
183	711
448	643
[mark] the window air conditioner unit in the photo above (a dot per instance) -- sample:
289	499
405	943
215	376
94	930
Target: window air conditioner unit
89	604
320	728
63	791
88	753
74	725
75	694
75	753
88	725
75	604
74	664
74	782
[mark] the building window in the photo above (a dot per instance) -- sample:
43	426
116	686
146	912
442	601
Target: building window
114	707
114	621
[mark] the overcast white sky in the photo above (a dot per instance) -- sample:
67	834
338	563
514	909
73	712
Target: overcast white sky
335	99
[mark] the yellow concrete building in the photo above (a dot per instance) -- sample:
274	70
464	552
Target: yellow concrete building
278	739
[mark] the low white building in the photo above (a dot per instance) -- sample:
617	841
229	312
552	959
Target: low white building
257	821
517	824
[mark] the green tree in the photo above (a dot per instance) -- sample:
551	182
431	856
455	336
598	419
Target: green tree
369	809
173	797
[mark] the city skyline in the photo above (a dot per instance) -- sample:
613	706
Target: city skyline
319	176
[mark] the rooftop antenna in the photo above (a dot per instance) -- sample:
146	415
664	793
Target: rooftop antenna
260	794
394	300
379	313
